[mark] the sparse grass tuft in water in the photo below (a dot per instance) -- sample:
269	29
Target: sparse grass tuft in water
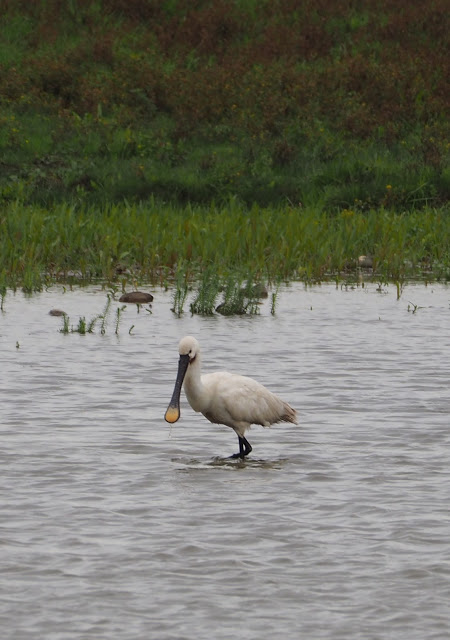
208	290
104	316
238	299
84	327
66	324
180	292
233	299
119	312
274	299
413	307
81	329
92	322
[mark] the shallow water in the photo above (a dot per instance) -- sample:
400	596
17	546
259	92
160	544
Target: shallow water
114	525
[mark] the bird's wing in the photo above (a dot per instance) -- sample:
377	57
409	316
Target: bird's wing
241	401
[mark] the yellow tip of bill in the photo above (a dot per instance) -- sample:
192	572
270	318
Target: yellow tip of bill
172	414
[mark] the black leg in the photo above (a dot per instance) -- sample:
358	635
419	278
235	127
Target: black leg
247	445
244	448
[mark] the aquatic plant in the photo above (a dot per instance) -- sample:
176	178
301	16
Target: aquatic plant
238	299
81	328
85	326
104	316
180	292
208	288
413	307
31	280
66	324
233	302
79	244
274	298
119	312
92	322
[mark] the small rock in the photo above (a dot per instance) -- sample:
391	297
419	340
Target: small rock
57	312
138	297
226	310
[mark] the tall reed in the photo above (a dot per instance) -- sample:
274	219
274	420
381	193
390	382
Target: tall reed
195	242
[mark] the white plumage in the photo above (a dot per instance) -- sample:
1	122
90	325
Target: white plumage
225	398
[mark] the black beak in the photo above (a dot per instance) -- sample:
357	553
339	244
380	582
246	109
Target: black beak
173	410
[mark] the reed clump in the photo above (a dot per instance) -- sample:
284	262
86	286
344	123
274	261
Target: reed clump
208	289
161	242
180	288
239	299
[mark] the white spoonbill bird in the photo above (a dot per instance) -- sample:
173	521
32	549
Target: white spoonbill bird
225	398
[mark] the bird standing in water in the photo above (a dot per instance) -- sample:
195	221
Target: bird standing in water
225	398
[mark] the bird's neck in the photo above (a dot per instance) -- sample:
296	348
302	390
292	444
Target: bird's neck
193	386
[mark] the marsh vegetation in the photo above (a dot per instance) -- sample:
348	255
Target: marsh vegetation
181	142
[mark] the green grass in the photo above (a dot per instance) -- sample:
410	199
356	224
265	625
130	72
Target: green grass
100	163
208	289
169	243
195	142
83	327
180	291
271	103
238	299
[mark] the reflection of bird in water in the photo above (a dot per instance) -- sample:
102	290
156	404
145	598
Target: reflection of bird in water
225	398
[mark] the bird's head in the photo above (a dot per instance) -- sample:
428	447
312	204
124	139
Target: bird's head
189	347
189	350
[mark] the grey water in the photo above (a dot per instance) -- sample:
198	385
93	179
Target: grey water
115	525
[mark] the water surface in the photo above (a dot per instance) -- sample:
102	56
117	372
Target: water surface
115	525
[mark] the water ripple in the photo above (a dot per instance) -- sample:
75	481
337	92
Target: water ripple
114	525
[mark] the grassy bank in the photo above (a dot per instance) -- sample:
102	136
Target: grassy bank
333	105
132	243
185	139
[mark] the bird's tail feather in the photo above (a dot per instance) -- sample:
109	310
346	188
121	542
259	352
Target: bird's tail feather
290	414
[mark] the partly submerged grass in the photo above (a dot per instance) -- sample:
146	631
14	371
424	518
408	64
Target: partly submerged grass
154	241
209	287
83	327
239	298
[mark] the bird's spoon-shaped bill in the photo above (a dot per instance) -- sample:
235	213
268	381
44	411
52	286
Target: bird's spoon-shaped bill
172	414
173	410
